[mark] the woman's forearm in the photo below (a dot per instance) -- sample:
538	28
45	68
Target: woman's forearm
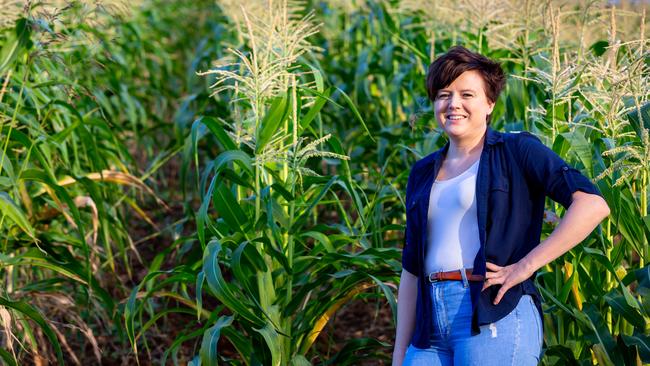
584	214
406	298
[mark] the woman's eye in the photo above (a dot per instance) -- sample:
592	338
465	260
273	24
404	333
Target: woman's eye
468	95
443	96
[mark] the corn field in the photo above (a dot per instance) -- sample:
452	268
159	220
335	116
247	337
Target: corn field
221	182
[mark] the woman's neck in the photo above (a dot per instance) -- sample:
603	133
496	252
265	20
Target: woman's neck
467	148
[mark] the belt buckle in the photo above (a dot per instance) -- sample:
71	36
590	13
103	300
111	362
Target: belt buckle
433	280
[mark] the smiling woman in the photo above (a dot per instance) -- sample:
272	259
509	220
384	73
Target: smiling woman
462	107
474	219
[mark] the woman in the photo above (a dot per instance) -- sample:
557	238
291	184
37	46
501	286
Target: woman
474	219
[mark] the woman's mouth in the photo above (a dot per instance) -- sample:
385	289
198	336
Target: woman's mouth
455	117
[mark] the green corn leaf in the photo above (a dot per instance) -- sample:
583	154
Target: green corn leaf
130	309
64	263
202	218
221	289
37	259
33	145
276	115
219	133
239	178
630	226
356	113
314	201
621	307
211	336
581	148
277	187
322	95
196	361
643	276
228	208
245	273
318	76
605	339
223	138
17	42
602	258
642	342
416	51
200	279
7	357
275	215
252	255
388	293
566	288
563	352
241	343
275	253
223	160
272	339
300	360
562	305
178	341
640	121
11	210
40	176
30	312
161	314
348	186
59	137
347	355
315	109
238	157
337	147
321	238
6	260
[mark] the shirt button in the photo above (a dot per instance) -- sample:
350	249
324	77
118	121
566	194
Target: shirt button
565	168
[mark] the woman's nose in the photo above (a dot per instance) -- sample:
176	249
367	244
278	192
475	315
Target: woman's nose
454	102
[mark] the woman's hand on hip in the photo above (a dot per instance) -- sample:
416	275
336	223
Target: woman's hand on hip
507	277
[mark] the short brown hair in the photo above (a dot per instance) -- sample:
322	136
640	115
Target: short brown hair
446	68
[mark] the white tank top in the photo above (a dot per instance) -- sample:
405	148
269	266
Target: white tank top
452	226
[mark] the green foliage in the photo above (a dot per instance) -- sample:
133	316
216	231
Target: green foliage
291	174
80	85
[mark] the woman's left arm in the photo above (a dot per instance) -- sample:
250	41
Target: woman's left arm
583	215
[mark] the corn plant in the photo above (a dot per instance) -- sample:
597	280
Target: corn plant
75	93
285	243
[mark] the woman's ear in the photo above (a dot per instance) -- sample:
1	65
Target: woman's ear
489	112
490	108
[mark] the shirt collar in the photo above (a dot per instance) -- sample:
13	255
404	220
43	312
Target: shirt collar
493	136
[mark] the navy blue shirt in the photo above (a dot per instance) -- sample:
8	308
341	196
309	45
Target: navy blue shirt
516	173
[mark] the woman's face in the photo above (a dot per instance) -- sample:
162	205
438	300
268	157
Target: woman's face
462	107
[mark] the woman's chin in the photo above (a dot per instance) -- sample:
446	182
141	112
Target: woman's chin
455	131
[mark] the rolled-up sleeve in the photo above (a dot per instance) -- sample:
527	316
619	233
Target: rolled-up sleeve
409	252
545	169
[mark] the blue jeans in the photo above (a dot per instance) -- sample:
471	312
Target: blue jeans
513	340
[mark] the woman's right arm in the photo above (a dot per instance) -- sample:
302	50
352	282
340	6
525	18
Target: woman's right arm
406	297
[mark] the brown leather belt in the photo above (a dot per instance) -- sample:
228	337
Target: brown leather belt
454	276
